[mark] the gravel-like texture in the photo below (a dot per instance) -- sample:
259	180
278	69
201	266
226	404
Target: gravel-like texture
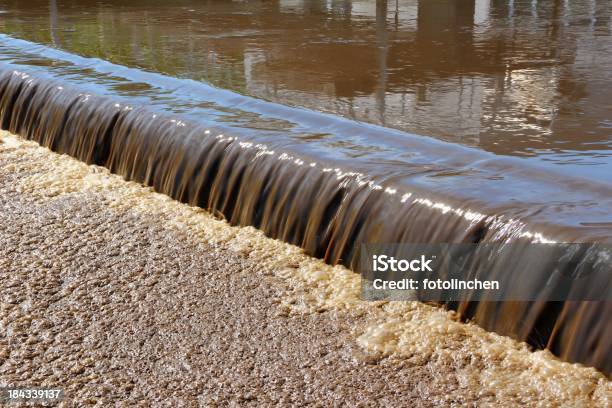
120	296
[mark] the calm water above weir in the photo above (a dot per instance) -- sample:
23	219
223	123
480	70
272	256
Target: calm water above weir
522	78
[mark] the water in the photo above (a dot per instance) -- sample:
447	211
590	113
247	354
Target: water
523	78
319	181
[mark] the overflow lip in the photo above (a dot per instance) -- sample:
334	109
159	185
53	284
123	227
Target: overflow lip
177	157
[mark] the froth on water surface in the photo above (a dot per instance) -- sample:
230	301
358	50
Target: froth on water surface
332	342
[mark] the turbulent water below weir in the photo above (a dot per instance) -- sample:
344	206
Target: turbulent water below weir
319	190
124	296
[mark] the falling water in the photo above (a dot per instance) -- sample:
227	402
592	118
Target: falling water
324	205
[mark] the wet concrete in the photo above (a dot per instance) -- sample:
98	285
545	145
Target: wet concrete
121	295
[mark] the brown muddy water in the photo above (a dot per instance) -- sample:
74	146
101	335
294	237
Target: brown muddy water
514	95
523	78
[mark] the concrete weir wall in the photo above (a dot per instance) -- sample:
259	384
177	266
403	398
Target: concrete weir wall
327	209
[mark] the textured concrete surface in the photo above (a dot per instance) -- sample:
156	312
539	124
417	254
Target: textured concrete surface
121	296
